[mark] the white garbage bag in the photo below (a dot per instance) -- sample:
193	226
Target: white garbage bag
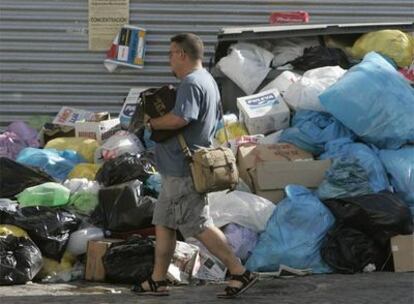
242	208
247	65
118	144
304	94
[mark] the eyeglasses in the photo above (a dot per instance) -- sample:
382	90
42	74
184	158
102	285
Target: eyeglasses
170	53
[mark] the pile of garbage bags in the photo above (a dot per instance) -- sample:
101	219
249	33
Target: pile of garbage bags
353	107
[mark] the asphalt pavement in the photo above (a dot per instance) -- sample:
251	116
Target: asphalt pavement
366	288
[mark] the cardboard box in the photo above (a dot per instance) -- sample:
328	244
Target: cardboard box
129	107
94	270
99	130
264	112
269	168
402	247
270	178
249	155
68	116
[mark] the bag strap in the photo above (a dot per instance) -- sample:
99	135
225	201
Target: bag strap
186	150
226	136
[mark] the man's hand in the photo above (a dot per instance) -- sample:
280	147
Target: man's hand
147	122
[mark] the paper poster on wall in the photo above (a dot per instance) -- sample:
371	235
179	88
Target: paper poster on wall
106	17
127	49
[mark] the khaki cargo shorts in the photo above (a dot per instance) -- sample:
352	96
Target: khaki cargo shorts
179	206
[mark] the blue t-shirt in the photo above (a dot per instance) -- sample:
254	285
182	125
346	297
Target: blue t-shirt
197	102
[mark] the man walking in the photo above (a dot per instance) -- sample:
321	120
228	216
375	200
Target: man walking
179	206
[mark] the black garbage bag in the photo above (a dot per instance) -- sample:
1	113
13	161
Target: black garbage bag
124	168
129	262
348	250
49	228
320	56
15	177
380	215
20	260
123	208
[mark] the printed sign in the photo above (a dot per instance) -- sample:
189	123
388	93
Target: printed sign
106	17
262	101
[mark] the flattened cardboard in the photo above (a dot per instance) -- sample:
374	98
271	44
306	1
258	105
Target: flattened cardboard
94	270
402	247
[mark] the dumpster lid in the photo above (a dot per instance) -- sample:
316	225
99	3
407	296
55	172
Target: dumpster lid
230	35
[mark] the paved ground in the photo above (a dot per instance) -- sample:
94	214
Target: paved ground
375	288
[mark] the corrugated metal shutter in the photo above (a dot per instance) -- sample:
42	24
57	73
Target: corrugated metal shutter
45	62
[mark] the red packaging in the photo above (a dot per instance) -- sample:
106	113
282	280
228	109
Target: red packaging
289	17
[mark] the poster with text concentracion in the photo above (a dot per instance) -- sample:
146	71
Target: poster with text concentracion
106	17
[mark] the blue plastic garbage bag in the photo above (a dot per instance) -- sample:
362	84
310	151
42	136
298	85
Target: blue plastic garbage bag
399	164
311	130
56	163
367	159
374	101
345	178
293	234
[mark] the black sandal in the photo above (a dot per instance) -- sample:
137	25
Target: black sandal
153	285
247	279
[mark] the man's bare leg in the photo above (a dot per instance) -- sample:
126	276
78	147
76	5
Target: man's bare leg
216	242
164	250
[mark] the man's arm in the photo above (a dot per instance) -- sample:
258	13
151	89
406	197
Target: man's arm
169	121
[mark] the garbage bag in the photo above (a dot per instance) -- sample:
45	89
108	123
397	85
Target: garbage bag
83	202
293	234
78	240
380	215
242	208
119	143
241	239
234	130
81	185
56	163
54	271
247	65
288	49
303	94
48	227
397	45
123	208
374	101
130	261
20	260
10	145
320	56
50	131
348	250
366	156
7	206
14	230
152	186
84	146
87	171
15	177
399	164
345	178
124	168
47	194
25	132
311	130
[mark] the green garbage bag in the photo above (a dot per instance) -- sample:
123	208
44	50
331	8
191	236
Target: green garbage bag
48	194
83	202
